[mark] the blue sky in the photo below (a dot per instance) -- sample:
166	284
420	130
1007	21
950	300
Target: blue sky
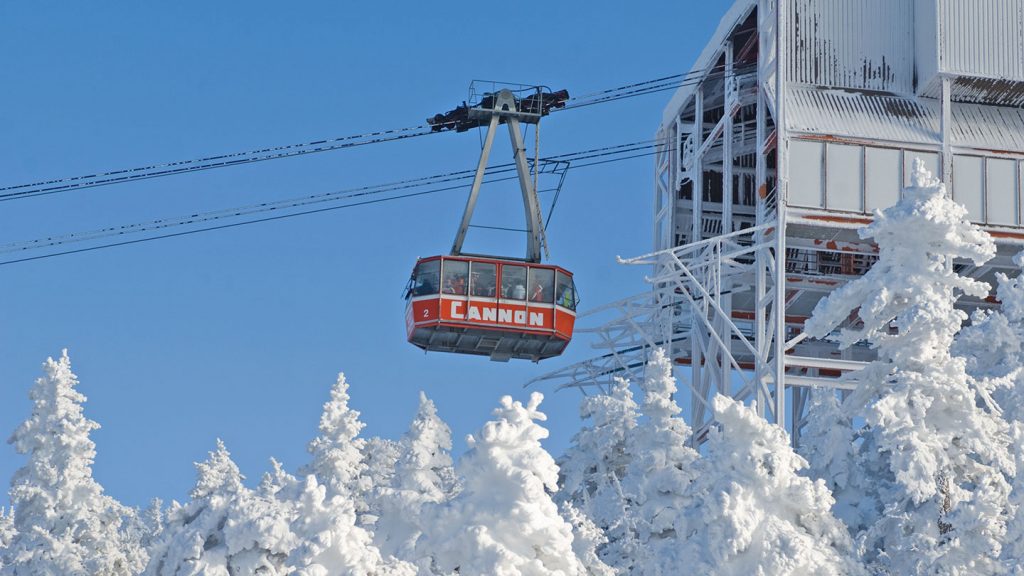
238	334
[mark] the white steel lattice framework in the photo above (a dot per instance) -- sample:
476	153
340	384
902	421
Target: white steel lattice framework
747	242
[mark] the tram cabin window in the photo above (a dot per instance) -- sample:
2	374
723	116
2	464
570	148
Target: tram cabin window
513	282
456	272
565	291
542	285
483	279
427	276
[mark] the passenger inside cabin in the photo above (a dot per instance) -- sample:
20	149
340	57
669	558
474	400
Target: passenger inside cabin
483	280
425	287
513	282
566	299
456	285
542	285
426	278
537	295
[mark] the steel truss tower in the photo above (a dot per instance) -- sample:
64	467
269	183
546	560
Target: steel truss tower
802	117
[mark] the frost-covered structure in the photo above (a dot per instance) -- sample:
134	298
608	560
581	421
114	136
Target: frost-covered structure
796	122
63	523
935	446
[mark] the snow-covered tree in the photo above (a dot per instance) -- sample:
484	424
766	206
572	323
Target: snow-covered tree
753	513
937	449
278	483
152	523
658	477
425	462
594	466
993	346
587	537
828	443
380	456
64	523
423	474
330	542
504	521
826	440
337	451
6	529
225	529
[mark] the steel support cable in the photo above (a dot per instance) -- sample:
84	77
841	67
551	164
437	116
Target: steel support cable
640	90
304	200
284	216
188	166
53	186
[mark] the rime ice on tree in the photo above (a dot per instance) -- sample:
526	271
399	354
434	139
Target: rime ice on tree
753	513
64	523
504	520
423	475
658	478
224	529
338	450
594	467
937	453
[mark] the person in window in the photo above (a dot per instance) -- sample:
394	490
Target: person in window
456	285
566	300
519	292
425	287
538	293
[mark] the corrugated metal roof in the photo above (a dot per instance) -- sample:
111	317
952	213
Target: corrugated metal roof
902	120
857	115
988	127
979	90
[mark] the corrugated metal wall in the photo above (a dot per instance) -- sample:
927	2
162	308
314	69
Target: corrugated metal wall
983	37
860	44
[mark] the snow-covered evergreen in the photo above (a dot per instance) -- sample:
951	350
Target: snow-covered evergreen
658	477
752	513
587	537
504	521
337	451
937	451
594	466
828	443
423	475
224	529
6	529
64	523
993	346
330	542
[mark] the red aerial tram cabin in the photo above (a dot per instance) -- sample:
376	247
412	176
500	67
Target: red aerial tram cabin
490	307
